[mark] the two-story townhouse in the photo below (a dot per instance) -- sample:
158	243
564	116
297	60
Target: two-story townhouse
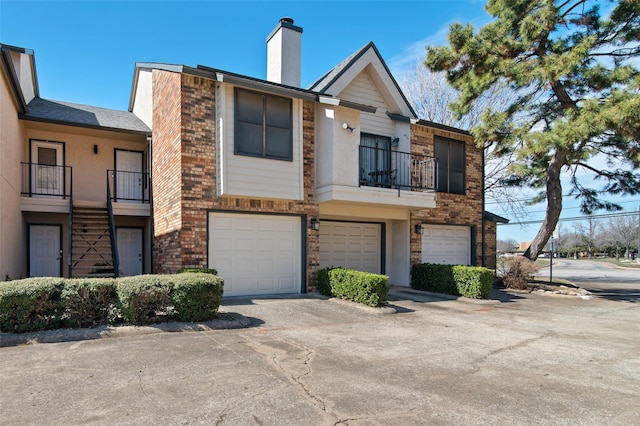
74	179
267	181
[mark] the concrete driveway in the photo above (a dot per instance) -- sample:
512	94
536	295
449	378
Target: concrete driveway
517	359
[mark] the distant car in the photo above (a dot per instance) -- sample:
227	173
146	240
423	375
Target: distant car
544	255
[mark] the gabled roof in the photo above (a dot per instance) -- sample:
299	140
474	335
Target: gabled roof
68	113
333	82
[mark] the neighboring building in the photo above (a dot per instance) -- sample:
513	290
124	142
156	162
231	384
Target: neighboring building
57	161
261	179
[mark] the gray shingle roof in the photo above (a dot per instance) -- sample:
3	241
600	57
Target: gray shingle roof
84	115
326	80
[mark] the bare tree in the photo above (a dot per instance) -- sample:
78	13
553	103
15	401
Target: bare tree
430	95
623	230
506	246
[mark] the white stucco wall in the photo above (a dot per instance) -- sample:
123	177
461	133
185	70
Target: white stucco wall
89	169
23	67
336	147
143	98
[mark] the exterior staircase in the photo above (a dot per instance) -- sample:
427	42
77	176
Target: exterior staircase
91	250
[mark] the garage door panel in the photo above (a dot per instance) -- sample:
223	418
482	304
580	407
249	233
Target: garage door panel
351	245
256	254
448	245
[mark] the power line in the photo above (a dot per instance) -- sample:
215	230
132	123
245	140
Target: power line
571	219
578	207
522	200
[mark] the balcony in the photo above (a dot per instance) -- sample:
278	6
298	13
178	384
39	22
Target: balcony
397	170
381	177
129	192
45	188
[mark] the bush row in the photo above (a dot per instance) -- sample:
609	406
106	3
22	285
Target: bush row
34	304
468	281
361	287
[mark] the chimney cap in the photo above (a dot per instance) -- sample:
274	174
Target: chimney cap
285	22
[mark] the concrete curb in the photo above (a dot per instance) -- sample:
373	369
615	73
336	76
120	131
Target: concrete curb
430	296
228	320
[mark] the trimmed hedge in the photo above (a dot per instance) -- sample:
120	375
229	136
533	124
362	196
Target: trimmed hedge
141	298
88	301
196	296
468	281
357	286
30	304
36	304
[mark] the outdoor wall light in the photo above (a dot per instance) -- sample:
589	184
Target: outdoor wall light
315	224
395	141
95	149
347	127
419	229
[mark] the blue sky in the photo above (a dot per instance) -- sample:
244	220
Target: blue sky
86	50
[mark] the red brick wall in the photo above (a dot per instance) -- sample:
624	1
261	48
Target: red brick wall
451	209
165	171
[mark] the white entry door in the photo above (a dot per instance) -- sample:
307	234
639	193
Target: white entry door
446	245
130	250
47	171
351	245
129	176
45	254
256	253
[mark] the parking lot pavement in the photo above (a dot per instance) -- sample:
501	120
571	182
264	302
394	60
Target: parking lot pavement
517	359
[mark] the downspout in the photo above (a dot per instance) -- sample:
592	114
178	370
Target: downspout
151	221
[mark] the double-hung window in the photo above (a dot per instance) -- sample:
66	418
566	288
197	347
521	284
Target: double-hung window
263	125
450	155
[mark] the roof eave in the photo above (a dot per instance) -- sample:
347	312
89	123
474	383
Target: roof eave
27	117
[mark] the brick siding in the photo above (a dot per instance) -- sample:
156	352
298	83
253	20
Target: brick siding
451	209
185	175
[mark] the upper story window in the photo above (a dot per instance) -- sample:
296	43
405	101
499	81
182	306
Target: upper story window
263	125
450	155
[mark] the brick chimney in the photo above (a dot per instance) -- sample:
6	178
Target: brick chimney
283	53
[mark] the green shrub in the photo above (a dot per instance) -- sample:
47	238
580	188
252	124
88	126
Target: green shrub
468	281
435	278
30	304
322	281
88	301
357	286
143	297
198	270
474	282
197	296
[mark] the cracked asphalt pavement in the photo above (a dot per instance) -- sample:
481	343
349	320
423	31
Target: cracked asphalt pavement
516	359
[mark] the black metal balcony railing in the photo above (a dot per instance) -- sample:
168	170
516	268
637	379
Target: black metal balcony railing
397	170
45	180
128	186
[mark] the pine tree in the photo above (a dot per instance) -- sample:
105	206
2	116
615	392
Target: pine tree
576	75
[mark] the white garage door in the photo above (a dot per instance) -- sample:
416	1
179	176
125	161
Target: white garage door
446	245
350	245
256	254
